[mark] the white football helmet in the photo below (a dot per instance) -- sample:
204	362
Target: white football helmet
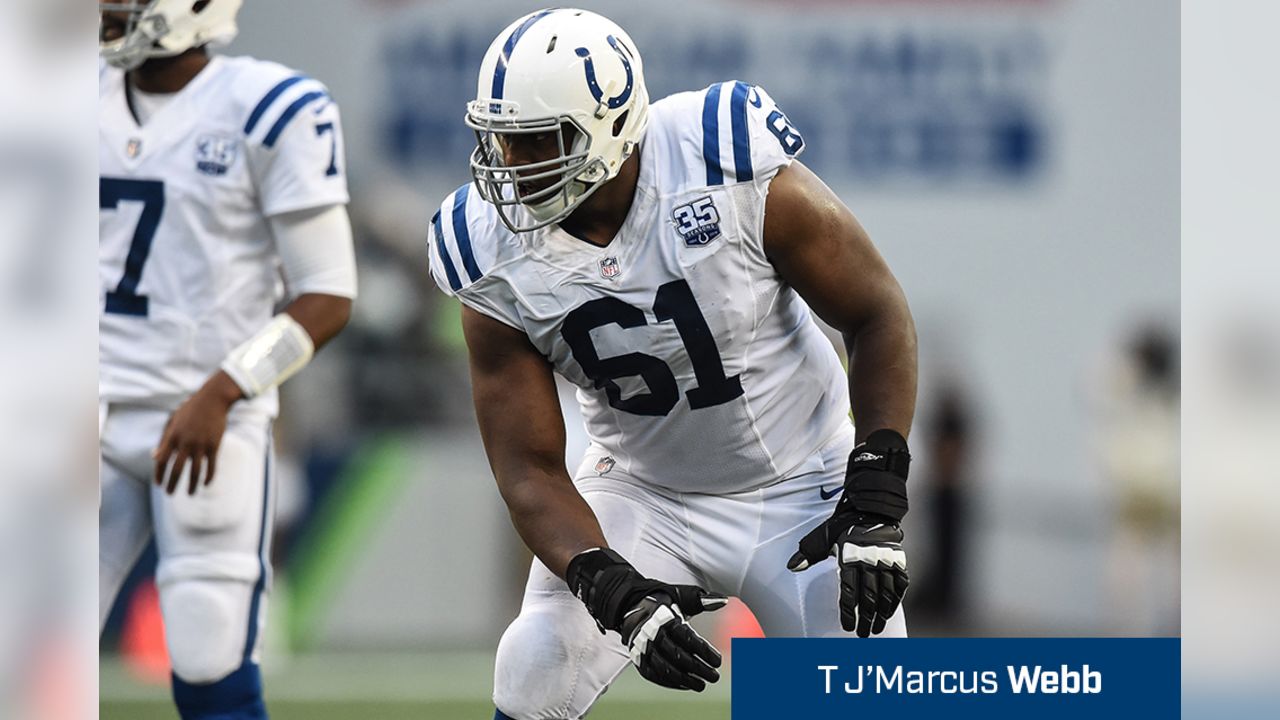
564	71
164	28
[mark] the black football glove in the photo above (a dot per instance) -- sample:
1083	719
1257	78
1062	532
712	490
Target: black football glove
650	616
865	536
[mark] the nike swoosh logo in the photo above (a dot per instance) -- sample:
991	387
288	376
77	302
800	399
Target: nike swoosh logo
828	495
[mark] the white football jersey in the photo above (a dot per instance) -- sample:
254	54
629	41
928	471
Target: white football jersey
698	369
187	263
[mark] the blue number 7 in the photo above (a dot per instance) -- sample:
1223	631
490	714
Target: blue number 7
125	300
321	129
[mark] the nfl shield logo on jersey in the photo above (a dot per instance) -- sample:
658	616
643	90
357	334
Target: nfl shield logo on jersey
604	465
133	148
609	267
214	155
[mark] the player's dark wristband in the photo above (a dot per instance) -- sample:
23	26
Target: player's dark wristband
607	584
876	480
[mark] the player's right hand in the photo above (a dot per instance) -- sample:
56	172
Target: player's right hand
651	616
194	433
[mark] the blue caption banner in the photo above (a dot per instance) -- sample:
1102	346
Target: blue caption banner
986	678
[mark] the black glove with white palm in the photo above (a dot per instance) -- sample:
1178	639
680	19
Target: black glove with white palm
650	616
865	535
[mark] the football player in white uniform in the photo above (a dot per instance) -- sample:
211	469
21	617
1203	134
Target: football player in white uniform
222	185
664	258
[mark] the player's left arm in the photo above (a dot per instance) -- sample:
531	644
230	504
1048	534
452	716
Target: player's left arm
820	249
318	260
317	257
299	171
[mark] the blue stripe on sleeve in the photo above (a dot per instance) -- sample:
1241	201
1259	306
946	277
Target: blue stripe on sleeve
742	169
288	114
265	103
711	136
463	235
445	260
500	69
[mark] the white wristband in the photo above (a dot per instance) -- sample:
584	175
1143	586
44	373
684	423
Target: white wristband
267	359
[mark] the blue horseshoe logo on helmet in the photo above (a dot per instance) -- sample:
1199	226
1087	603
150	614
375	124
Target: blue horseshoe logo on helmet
623	55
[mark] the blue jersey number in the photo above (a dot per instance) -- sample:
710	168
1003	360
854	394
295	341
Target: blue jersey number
321	129
675	302
125	300
780	126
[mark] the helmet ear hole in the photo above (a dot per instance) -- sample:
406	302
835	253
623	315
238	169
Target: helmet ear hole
199	6
620	123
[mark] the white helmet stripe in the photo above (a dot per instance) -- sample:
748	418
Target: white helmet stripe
500	69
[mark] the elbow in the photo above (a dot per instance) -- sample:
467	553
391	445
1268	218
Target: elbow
323	316
894	310
891	316
531	491
897	322
523	495
335	312
341	313
907	320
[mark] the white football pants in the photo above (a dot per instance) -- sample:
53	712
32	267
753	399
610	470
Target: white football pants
552	661
213	571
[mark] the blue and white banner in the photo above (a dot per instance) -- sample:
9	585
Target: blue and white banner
956	678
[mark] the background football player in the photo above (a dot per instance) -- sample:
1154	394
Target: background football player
664	258
219	176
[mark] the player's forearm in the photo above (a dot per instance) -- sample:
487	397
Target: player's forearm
551	517
281	348
322	316
882	370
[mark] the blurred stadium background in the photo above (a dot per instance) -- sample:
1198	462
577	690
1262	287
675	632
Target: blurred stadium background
1015	160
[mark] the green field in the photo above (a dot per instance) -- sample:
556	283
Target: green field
288	710
395	687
